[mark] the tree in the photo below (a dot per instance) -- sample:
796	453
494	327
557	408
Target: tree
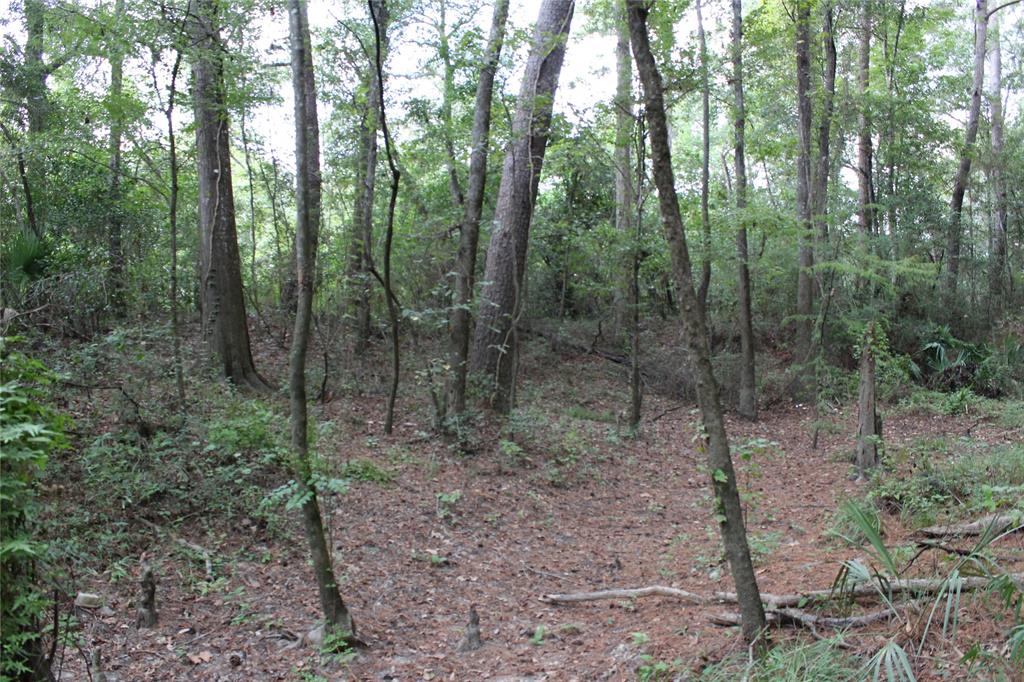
469	226
997	264
963	172
495	342
114	229
804	198
307	224
727	500
865	194
748	389
705	161
225	326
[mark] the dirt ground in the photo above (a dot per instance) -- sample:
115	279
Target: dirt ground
566	503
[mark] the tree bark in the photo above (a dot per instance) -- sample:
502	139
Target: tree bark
622	157
472	207
172	219
37	107
747	406
501	302
865	210
705	169
956	202
225	326
307	225
804	198
115	271
997	257
823	161
727	501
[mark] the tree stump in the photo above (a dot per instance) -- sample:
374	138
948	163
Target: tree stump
471	640
869	430
145	614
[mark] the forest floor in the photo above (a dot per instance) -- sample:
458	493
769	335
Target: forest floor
562	500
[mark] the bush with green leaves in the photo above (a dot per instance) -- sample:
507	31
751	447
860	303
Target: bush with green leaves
29	432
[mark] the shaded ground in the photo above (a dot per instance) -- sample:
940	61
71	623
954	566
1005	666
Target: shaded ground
566	502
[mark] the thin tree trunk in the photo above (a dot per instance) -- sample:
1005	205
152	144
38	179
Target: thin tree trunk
115	272
501	302
378	14
253	288
956	202
635	379
447	94
747	406
865	211
624	126
469	228
225	326
37	108
997	257
307	225
705	170
172	217
729	509
804	198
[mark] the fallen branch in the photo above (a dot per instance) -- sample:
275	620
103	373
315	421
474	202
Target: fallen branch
776	602
997	523
801	618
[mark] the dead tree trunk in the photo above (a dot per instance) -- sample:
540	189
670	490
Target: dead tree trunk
867	420
469	228
963	172
748	390
307	224
225	327
501	302
730	512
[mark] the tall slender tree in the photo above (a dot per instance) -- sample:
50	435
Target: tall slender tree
225	327
956	203
804	198
495	344
747	406
705	164
865	199
723	478
997	257
115	247
307	226
472	207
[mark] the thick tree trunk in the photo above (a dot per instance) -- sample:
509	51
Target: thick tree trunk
865	210
956	202
469	228
729	509
307	225
804	198
747	406
115	266
705	170
501	302
225	327
997	257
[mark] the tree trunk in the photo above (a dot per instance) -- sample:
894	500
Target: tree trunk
867	422
956	202
747	406
705	170
997	257
225	326
37	108
307	225
804	199
469	228
728	507
865	211
115	272
172	219
624	125
360	284
823	162
502	299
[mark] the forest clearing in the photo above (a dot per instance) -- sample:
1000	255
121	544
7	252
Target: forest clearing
619	340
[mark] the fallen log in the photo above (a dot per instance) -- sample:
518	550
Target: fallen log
801	618
997	522
776	602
